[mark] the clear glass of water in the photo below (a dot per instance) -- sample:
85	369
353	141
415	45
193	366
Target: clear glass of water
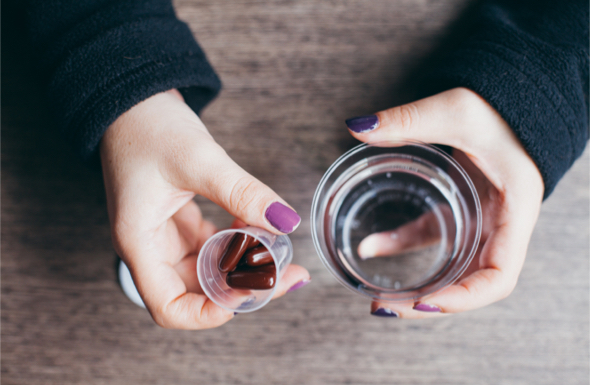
396	221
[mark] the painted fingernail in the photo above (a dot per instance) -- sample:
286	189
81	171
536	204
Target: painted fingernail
383	312
282	217
426	307
362	124
235	313
299	285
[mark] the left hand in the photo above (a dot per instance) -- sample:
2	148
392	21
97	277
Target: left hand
507	180
155	158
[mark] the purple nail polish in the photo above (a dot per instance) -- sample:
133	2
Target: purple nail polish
247	303
363	123
298	285
282	217
235	313
426	307
383	312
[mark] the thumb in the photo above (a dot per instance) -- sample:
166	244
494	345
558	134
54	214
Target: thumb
459	118
225	183
447	118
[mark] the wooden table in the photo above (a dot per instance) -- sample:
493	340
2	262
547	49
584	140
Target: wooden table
292	71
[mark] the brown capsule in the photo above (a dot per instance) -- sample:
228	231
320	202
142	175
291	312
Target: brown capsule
258	278
257	256
236	248
253	243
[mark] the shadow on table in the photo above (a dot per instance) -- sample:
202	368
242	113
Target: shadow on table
55	223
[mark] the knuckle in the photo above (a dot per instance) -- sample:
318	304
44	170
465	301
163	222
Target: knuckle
162	317
466	105
403	117
243	194
507	289
460	95
161	322
121	242
503	284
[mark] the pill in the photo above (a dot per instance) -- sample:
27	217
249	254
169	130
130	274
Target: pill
235	250
257	278
253	242
256	256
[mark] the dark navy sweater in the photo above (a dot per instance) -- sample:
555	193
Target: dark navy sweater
528	59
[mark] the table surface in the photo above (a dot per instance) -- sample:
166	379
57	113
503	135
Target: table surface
292	72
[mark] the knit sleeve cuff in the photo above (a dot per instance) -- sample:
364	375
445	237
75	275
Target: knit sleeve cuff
529	100
102	78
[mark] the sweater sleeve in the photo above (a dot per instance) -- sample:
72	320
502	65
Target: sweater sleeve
529	60
98	58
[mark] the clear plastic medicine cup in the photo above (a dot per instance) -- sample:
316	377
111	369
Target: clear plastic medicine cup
396	221
212	280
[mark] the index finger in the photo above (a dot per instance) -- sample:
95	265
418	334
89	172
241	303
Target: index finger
153	262
500	262
170	305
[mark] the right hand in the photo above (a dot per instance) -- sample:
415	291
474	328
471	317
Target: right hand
155	158
509	186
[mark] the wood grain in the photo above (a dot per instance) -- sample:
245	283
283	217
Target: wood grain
292	72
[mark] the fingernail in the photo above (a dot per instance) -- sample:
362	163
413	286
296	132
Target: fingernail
247	303
299	285
282	217
235	313
426	307
383	312
362	124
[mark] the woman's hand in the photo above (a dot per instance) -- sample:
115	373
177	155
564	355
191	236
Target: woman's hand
155	158
508	182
